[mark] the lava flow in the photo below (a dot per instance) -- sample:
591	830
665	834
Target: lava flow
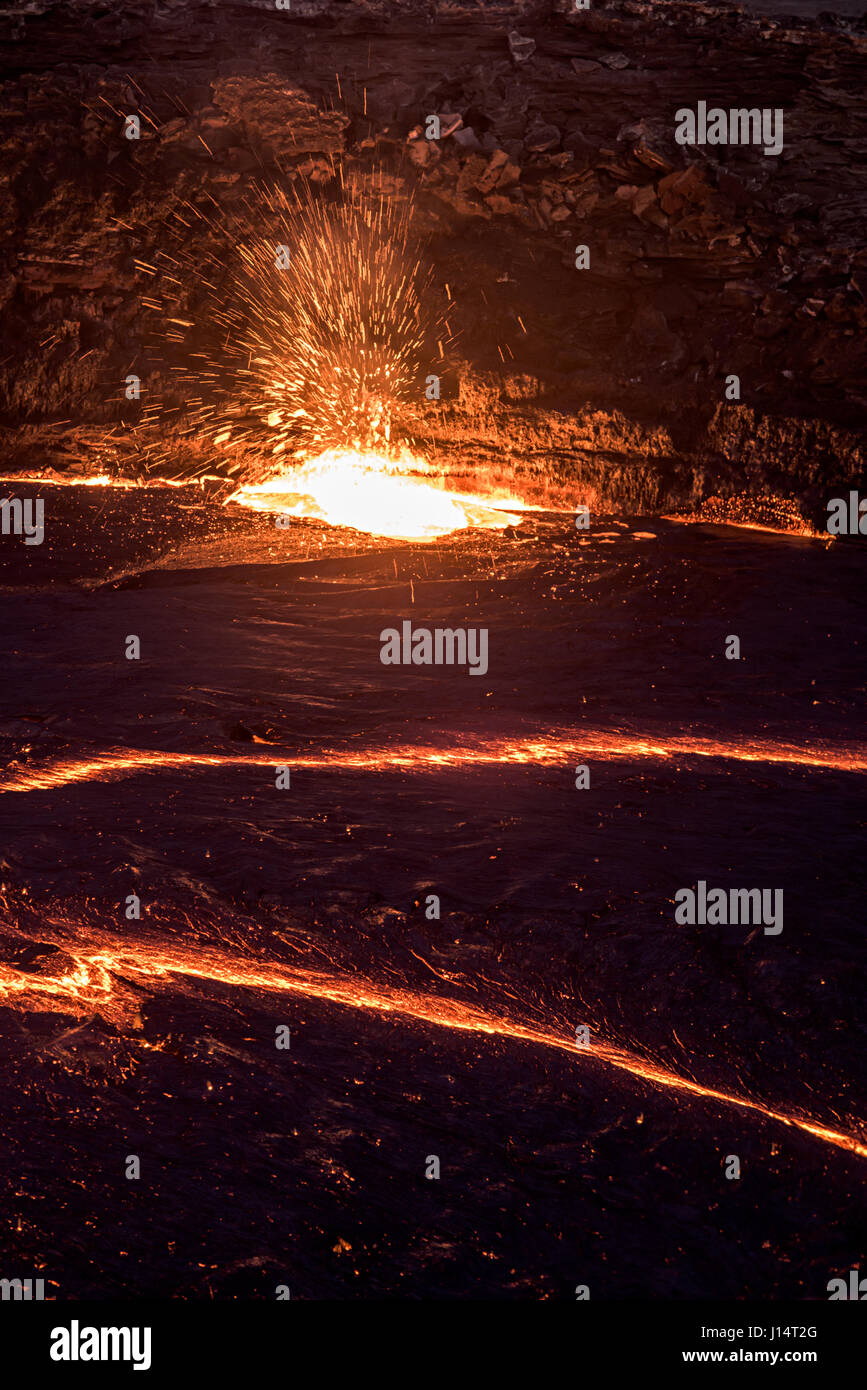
544	751
90	987
378	495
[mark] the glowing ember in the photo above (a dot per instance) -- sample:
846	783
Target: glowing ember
377	495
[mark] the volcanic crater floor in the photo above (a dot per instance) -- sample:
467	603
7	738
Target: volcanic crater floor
305	907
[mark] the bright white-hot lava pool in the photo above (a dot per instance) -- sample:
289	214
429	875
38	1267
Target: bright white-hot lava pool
378	495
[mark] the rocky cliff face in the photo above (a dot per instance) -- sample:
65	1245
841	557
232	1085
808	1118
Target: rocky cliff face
556	131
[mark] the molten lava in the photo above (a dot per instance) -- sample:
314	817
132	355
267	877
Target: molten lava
548	749
377	495
101	970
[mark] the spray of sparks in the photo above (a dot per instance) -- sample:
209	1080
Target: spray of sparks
315	340
313	332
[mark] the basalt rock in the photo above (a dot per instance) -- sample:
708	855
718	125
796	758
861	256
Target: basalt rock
280	115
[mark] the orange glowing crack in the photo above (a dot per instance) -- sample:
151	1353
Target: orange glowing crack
91	984
540	751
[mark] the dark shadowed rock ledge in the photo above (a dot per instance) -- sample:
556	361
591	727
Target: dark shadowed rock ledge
557	130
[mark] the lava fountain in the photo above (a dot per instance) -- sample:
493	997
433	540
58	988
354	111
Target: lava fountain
306	350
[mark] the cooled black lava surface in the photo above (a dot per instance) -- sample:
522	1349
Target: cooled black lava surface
306	1167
